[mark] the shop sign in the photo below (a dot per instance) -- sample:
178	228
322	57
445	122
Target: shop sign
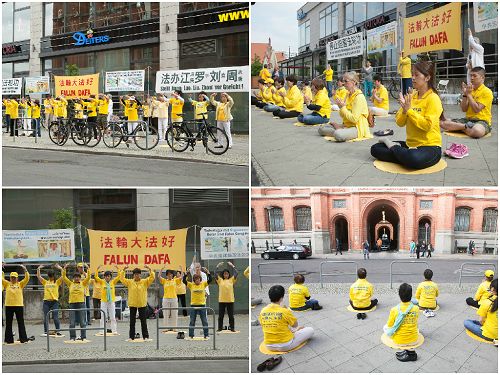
485	16
301	14
382	38
12	86
11	49
375	22
348	46
89	38
224	242
234	16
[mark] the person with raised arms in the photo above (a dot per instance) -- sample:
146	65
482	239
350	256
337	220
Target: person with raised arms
225	280
50	298
198	300
170	283
108	296
76	300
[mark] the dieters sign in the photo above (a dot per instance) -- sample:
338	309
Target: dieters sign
82	39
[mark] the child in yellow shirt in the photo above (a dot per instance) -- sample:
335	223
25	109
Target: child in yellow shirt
360	294
427	292
226	282
14	305
299	297
487	327
198	299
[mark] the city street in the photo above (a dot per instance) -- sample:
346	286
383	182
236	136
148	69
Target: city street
73	168
287	155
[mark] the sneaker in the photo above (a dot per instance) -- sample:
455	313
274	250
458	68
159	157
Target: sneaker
58	334
459	151
43	335
358	315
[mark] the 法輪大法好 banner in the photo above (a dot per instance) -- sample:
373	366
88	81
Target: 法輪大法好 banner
36	85
435	30
347	46
45	245
224	242
157	249
127	80
77	86
12	86
225	79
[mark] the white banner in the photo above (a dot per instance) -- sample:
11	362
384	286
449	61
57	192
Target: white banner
348	46
225	79
382	38
12	86
127	80
224	242
36	85
45	245
485	16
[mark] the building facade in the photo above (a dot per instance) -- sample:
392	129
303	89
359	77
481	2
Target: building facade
322	22
446	218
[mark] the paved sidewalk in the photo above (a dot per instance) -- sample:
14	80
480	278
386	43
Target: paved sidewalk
287	155
341	343
229	346
238	155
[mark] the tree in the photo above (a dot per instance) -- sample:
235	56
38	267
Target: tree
72	70
256	65
63	219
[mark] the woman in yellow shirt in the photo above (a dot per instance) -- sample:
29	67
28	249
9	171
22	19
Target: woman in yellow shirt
176	105
170	284
26	114
306	91
35	118
487	326
404	69
420	113
162	113
328	72
198	299
353	111
292	99
14	305
276	90
12	105
108	296
340	93
200	107
226	282
320	105
266	94
131	111
223	115
77	301
50	298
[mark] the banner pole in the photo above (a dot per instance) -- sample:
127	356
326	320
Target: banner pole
468	16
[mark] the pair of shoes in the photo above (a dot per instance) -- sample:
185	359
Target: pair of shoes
219	330
317	307
232	330
108	331
457	151
205	337
363	316
180	335
406	356
429	313
269	364
358	315
137	336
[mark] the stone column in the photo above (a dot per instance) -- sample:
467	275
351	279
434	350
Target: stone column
169	46
445	235
153	211
320	236
36	29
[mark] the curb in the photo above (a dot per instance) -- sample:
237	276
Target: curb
264	179
127	155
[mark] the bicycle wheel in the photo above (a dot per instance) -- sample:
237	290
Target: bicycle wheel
394	90
140	133
58	133
78	134
217	141
94	135
177	138
113	135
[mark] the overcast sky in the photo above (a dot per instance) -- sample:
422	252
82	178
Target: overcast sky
277	21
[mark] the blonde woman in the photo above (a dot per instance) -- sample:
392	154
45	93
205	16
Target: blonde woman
353	111
223	114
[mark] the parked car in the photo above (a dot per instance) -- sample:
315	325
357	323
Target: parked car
291	251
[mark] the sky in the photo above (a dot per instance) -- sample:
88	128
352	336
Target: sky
277	21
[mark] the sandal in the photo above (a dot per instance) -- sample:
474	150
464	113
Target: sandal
275	361
264	364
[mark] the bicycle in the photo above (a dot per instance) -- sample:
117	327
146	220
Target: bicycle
117	131
81	133
180	137
394	87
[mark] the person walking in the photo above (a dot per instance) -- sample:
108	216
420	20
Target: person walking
412	248
338	246
418	250
366	250
429	250
367	71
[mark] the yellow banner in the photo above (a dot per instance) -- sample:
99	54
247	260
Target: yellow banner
136	249
77	86
435	30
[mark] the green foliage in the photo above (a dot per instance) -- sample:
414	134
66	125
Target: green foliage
256	66
320	69
72	70
63	219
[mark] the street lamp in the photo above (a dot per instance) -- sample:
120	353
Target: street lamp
269	208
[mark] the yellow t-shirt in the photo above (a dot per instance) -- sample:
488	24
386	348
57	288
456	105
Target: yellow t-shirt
76	290
91	107
35	111
146	109
321	98
131	111
51	289
297	294
267	95
484	96
47	104
384	95
96	289
27	108
408	330
277	98
137	290
14	109
198	297
422	120
427	292
199	108
177	105
180	288
61	107
306	91
404	67
169	287
355	114
8	107
360	293
14	292
294	101
483	291
490	325
226	289
78	108
102	106
341	93
264	74
102	283
275	321
328	74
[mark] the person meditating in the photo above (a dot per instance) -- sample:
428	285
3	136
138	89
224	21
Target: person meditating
419	113
483	290
320	105
379	98
292	100
353	111
487	326
476	103
360	294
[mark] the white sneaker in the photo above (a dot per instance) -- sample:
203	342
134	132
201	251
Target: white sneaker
43	335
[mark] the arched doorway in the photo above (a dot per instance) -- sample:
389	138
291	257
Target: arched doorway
424	230
380	216
340	231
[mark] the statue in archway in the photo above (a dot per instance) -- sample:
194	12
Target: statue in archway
383	215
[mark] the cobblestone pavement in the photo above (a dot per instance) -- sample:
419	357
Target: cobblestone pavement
287	155
341	343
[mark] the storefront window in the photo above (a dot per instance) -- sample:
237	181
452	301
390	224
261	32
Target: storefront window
7	70
48	10
21	67
22	24
349	15
328	21
359	13
389	6
7	27
374	9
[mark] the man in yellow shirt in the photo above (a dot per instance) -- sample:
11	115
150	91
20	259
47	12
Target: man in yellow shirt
276	90
198	299
80	269
14	305
292	99
77	301
226	282
404	69
108	296
483	290
299	296
48	110
264	73
35	118
328	72
102	110
477	100
170	284
380	98
138	299
487	327
279	325
427	292
50	299
360	294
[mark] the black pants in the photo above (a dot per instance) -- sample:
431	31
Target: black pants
182	302
254	100
281	113
154	123
472	302
415	158
142	317
229	306
260	104
96	304
418	254
338	250
9	317
373	303
92	121
12	127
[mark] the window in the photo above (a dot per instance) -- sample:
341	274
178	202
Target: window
328	21
275	218
339	203
490	216
22	21
359	13
374	9
425	205
462	219
303	218
304	33
349	15
7	70
48	14
7	27
254	224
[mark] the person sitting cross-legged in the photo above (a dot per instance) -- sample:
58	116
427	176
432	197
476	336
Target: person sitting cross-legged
380	99
320	105
360	294
487	326
299	296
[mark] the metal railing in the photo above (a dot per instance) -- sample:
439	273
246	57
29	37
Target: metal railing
18	127
471	273
405	262
75	328
158	327
279	275
321	274
125	122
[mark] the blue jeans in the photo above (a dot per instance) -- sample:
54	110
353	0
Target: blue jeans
368	88
329	87
312	119
271	107
77	317
48	306
192	320
35	123
475	327
407	83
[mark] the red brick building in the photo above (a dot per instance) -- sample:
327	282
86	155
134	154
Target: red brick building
448	218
